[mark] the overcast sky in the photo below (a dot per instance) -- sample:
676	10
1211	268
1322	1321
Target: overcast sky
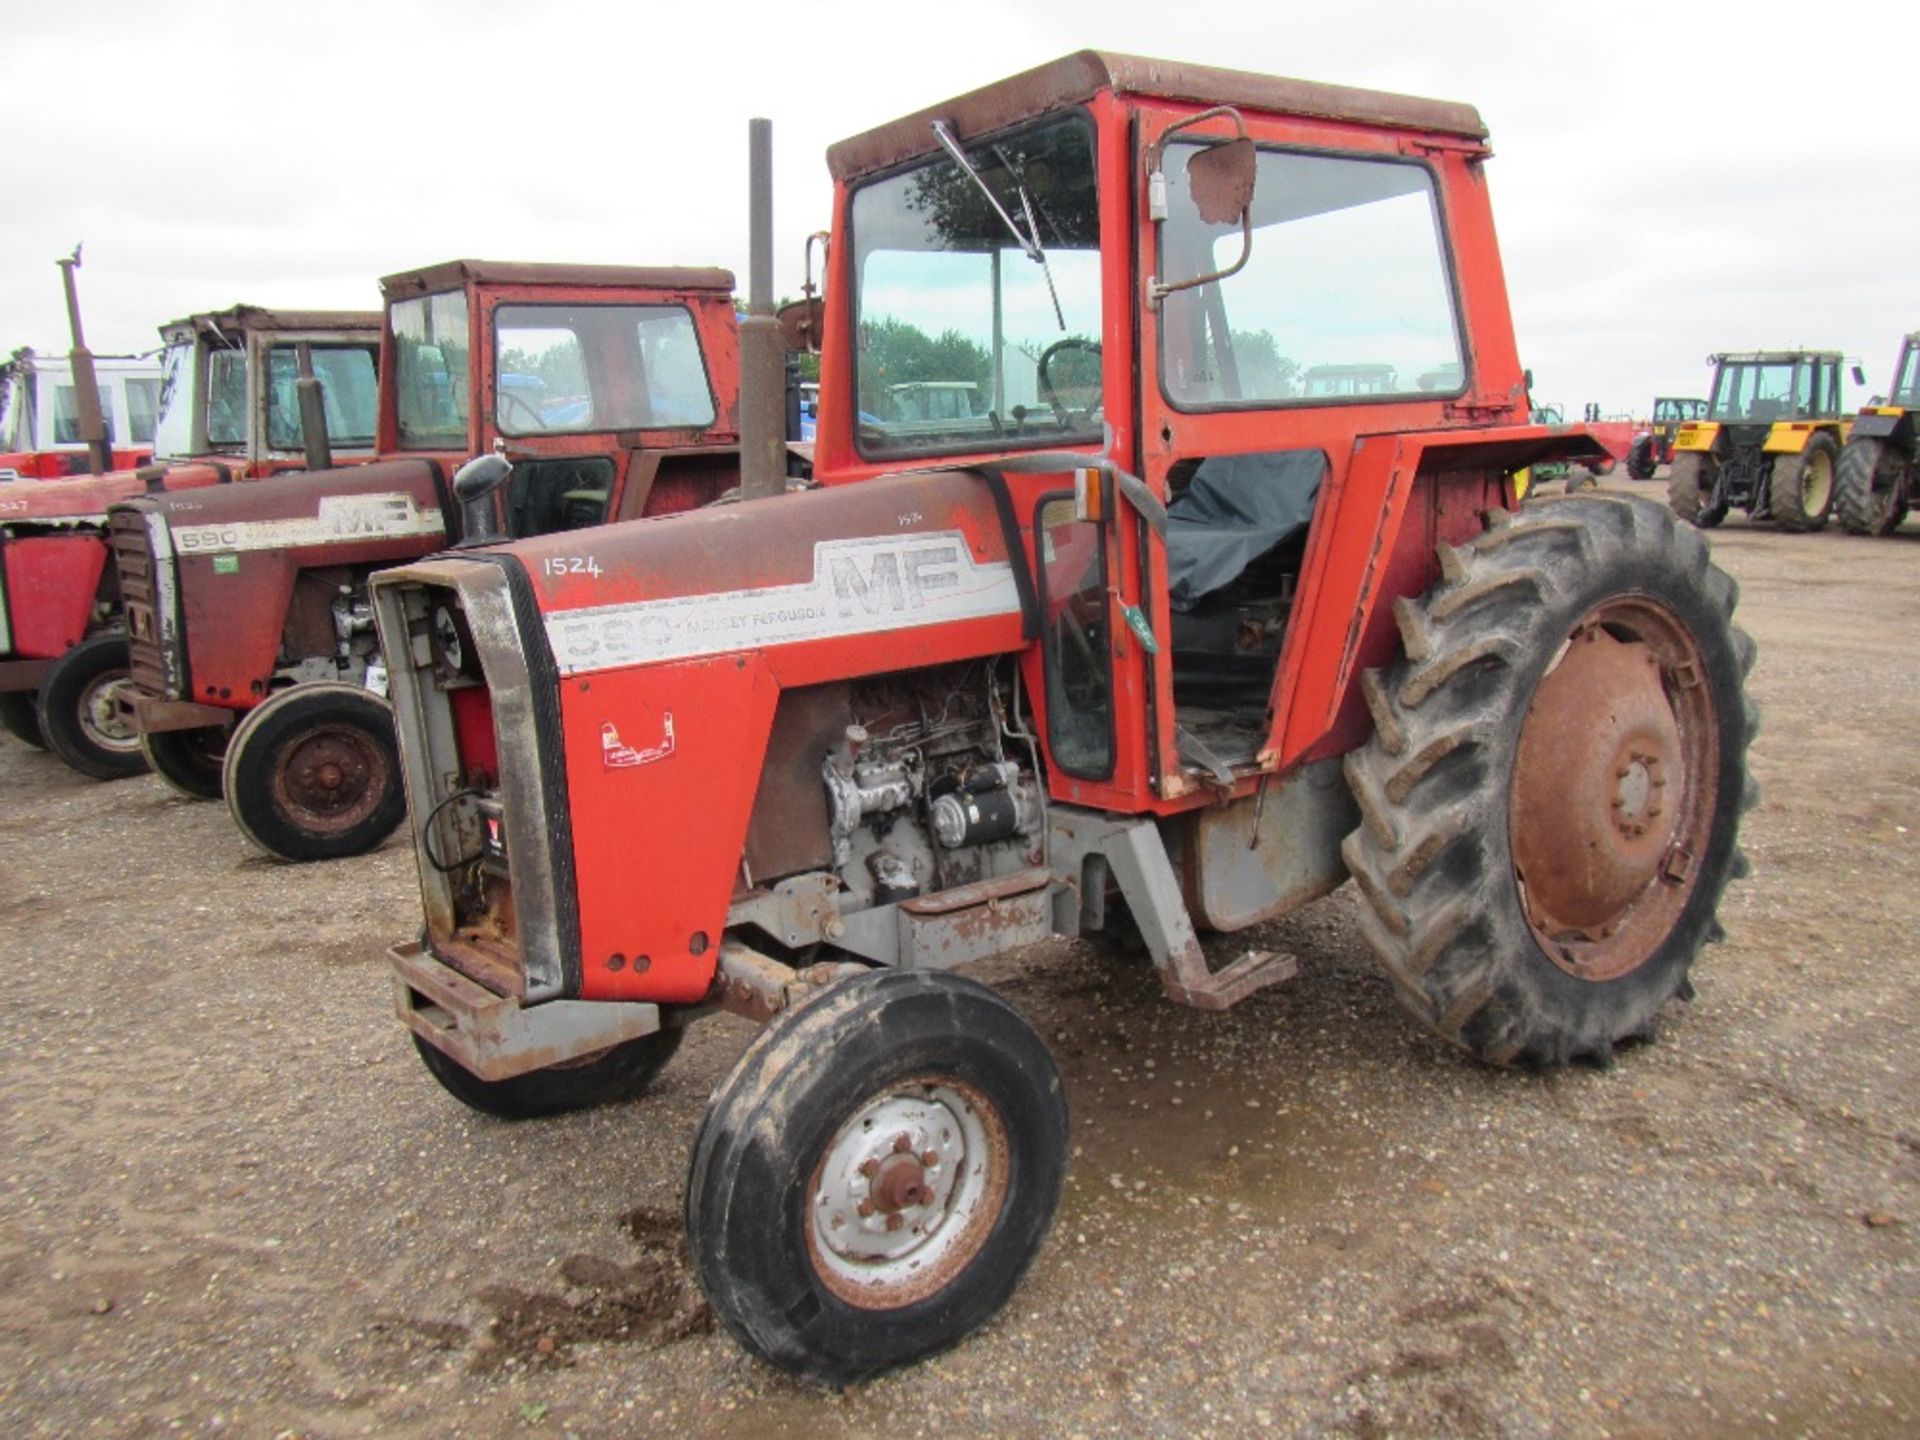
1669	179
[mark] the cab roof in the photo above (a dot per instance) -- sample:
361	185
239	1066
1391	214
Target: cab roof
1776	357
452	274
1076	78
258	317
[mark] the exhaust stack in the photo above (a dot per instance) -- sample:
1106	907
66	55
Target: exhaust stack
86	385
763	368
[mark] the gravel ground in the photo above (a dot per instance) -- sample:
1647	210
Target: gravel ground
234	1202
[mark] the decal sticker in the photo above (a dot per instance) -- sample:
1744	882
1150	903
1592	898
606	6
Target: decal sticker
341	518
859	587
226	564
619	755
570	565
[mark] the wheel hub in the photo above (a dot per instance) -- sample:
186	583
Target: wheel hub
906	1192
1601	824
330	778
100	717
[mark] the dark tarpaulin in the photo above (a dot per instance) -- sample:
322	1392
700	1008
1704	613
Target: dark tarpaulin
1237	509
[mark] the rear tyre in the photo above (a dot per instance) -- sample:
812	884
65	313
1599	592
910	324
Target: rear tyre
1640	464
1551	798
190	761
620	1073
1690	486
77	715
873	1179
20	718
1872	492
314	773
1800	492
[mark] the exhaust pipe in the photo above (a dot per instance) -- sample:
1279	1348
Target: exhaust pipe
86	385
763	360
313	412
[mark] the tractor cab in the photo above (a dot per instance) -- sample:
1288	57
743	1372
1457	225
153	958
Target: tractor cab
40	414
1769	442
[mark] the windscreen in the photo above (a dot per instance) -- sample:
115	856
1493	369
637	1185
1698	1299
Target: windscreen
1346	293
1759	390
143	400
563	369
430	342
227	398
978	300
66	414
1906	380
349	389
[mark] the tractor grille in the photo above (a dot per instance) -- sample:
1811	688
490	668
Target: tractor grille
141	589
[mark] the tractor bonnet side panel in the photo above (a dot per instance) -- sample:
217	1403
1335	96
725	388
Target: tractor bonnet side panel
51	583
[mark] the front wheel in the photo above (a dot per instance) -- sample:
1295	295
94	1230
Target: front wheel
77	714
1552	795
1640	460
873	1179
314	773
20	718
1800	491
620	1073
190	761
1691	484
1872	492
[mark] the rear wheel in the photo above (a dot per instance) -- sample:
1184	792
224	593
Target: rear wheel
1873	489
1690	486
1552	796
190	761
20	718
1800	492
1640	464
620	1073
314	773
77	714
873	1179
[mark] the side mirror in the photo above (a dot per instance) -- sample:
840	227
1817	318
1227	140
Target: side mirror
1859	376
473	486
1220	181
800	324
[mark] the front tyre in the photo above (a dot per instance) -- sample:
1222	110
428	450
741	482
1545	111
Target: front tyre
613	1075
1552	795
314	773
1691	484
1800	491
190	761
873	1179
1640	458
77	714
1872	492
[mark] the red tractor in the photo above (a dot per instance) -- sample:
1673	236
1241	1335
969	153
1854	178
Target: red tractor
255	670
228	410
1146	638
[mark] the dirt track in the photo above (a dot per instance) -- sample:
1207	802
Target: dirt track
233	1200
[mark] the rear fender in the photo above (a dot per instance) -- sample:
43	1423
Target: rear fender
1374	538
1891	424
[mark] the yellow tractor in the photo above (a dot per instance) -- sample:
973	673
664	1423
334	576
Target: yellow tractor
1769	444
1877	469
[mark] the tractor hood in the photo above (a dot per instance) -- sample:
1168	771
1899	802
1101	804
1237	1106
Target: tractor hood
85	500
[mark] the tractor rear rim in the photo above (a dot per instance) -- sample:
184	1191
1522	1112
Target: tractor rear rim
100	719
330	778
1613	788
907	1193
1816	488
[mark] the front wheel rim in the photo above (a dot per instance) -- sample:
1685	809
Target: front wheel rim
100	718
1816	489
330	778
1614	778
907	1192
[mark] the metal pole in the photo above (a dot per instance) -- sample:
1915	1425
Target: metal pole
763	455
86	385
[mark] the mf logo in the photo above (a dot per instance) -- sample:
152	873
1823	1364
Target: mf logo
881	582
346	515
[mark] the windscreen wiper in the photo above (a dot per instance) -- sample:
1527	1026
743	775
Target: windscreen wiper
1030	242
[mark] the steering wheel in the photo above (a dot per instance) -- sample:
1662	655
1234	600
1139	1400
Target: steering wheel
519	404
1051	395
